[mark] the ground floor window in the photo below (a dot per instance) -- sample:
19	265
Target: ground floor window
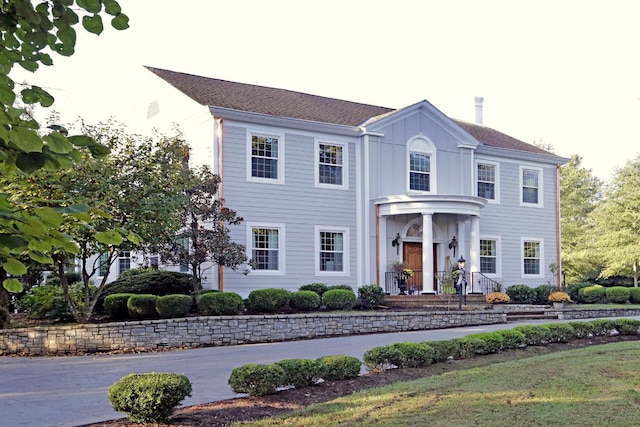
331	250
124	261
488	256
532	257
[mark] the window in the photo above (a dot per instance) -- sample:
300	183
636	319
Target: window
124	261
103	264
330	167
421	165
154	262
265	159
488	256
266	245
531	188
487	181
531	257
184	255
419	172
332	255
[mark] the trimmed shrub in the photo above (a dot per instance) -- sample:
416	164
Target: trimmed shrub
134	272
618	294
542	294
535	334
493	340
257	380
142	306
470	346
220	304
341	286
318	288
382	358
603	326
634	295
339	299
268	300
370	296
115	305
627	326
150	397
582	329
561	332
574	290
300	372
521	294
155	282
171	306
443	350
414	355
339	367
47	301
592	294
512	338
4	317
304	300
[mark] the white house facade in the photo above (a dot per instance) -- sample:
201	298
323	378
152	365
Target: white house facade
338	192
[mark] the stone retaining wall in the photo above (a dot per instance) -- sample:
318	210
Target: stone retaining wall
192	332
586	313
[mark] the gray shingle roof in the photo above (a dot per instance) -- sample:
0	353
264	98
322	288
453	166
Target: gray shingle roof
298	105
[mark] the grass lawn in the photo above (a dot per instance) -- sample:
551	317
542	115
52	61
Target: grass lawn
591	386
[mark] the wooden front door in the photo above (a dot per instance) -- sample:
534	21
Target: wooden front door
412	257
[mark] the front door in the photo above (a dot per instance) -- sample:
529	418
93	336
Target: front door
412	257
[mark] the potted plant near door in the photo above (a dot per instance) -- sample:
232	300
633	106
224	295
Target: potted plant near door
403	272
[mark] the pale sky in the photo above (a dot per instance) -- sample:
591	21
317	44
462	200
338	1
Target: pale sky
563	72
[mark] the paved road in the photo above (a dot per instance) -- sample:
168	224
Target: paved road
72	391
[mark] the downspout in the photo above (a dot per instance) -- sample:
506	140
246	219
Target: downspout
218	136
378	245
558	228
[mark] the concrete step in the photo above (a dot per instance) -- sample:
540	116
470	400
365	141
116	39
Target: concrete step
529	315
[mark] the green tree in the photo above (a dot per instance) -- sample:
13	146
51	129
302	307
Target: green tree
28	35
134	193
617	221
580	192
204	238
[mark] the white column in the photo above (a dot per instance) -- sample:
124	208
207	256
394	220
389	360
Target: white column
462	241
474	250
427	253
382	245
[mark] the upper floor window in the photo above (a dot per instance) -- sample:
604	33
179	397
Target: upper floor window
332	245
266	247
531	186
532	257
421	165
489	256
265	159
487	181
330	165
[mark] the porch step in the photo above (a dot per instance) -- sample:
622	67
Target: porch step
418	301
513	316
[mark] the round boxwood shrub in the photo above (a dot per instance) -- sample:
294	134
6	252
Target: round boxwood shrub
521	294
304	300
150	397
318	288
592	294
268	300
339	367
382	358
574	290
220	304
142	306
493	342
542	294
634	295
345	287
445	349
115	305
618	294
512	338
370	296
171	306
300	372
339	299
257	380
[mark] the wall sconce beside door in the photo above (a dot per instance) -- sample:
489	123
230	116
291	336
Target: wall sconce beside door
396	243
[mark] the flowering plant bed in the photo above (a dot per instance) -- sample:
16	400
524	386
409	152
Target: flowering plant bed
498	298
559	296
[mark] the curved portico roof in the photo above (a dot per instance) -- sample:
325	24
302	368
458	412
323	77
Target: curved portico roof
430	204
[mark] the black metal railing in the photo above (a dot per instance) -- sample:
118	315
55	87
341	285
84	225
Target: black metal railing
483	284
396	283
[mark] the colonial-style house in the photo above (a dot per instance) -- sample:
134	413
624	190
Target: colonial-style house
339	192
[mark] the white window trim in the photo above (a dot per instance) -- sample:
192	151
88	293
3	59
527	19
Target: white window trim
345	259
267	133
281	247
345	163
542	264
431	152
540	203
497	183
498	241
121	256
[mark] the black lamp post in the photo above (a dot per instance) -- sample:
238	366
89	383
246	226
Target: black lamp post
462	280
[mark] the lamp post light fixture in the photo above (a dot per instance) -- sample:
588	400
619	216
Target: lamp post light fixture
462	280
396	243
